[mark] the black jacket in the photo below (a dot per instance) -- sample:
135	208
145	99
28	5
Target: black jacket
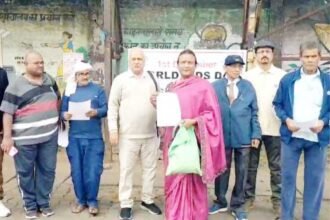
3	85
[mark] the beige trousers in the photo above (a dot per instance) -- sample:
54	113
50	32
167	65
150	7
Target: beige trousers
130	151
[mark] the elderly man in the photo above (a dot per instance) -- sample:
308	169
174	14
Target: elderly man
4	211
132	124
265	78
302	103
242	132
30	107
86	146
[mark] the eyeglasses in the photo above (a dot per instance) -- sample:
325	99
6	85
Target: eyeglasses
83	74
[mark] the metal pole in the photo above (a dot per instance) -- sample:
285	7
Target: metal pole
108	17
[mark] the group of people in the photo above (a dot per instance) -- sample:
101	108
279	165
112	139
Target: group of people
233	117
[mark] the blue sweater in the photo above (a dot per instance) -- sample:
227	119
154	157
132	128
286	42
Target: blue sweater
239	120
3	85
91	129
283	103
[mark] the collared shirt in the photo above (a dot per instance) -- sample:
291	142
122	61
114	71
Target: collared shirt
130	111
308	97
235	81
266	84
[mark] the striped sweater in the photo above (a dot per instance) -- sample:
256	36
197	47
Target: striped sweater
34	109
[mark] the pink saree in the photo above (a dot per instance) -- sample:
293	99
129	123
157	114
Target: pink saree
186	194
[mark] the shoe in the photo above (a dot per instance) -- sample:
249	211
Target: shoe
77	208
31	214
46	212
216	207
249	204
93	211
151	208
126	214
4	211
239	215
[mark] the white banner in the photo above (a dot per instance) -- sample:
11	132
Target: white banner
162	63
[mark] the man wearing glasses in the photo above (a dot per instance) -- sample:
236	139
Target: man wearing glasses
265	78
86	146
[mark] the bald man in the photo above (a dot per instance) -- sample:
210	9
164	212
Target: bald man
30	107
132	125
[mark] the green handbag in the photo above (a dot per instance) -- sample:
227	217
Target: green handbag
183	154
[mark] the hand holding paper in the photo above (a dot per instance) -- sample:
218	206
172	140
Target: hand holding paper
79	110
168	110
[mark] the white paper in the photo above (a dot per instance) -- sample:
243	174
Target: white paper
305	125
79	110
63	137
168	110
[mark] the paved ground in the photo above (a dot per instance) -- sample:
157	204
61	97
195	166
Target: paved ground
63	195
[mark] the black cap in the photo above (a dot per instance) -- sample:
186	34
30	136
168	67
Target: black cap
233	59
264	43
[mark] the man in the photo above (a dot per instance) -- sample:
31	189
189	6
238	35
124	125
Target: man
303	105
30	119
4	211
132	124
265	78
242	131
86	147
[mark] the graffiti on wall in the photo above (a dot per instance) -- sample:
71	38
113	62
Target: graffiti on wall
155	33
214	36
36	17
323	34
178	28
51	34
97	48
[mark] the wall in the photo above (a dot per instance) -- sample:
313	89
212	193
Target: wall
52	31
178	28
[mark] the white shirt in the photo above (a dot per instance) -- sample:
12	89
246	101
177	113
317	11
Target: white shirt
235	81
266	84
308	97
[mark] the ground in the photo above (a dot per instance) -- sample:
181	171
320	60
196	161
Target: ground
63	195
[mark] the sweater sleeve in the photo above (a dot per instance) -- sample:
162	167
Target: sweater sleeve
102	103
278	103
113	105
256	130
64	105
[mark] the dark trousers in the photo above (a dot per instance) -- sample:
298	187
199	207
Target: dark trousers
86	160
1	176
241	158
35	167
273	151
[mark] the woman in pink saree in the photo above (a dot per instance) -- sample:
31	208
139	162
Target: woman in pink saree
186	194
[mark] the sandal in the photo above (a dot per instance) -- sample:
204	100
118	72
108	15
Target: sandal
77	208
93	211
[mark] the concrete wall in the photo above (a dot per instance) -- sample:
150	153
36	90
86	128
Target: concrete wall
41	28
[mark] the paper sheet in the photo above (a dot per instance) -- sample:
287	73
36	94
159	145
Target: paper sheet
168	110
79	109
63	137
305	125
